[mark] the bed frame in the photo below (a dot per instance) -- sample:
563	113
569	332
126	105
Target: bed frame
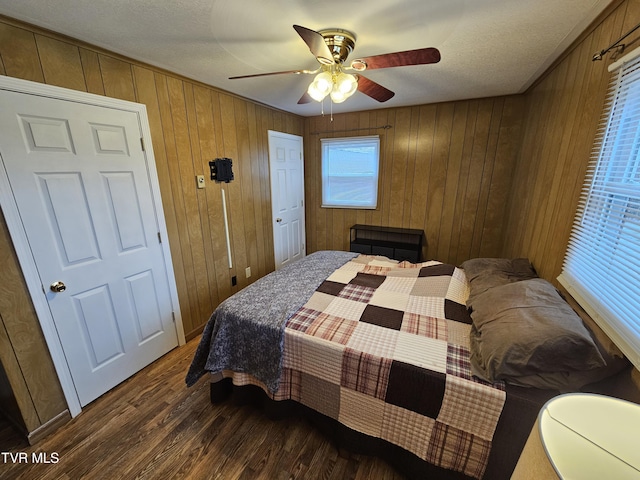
518	416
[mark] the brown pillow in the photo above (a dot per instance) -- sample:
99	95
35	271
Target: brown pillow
526	328
485	273
575	380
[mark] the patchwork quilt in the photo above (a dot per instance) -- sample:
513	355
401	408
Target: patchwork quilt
383	347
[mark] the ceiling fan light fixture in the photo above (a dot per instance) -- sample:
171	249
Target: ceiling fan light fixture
344	86
346	83
339	85
321	86
337	96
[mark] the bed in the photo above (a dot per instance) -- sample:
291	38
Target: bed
394	359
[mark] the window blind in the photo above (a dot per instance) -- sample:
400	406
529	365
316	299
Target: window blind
601	268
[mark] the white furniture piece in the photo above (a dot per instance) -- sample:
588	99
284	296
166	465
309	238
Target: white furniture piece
585	436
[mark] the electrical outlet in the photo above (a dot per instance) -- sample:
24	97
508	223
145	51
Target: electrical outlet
234	281
200	181
247	272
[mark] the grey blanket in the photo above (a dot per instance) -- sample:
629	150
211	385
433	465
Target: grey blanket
246	331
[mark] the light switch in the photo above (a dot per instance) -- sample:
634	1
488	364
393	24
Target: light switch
200	181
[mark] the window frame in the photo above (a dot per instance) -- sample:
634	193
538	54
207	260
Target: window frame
326	144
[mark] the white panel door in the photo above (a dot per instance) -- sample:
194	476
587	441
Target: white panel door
287	197
83	190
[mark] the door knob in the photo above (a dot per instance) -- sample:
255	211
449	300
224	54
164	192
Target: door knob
58	287
278	219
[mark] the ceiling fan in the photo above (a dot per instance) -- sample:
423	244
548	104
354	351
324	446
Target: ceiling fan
331	47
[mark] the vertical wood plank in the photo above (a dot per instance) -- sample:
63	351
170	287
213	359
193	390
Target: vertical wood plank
61	64
387	169
399	162
424	156
463	127
92	74
310	184
15	400
495	112
117	78
438	177
410	166
242	166
265	189
508	143
256	257
19	53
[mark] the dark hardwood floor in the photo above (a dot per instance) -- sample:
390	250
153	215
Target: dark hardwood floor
153	427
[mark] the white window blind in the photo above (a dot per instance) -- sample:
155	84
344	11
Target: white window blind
350	172
602	265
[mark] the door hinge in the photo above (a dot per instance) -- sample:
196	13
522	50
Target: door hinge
173	316
142	143
159	238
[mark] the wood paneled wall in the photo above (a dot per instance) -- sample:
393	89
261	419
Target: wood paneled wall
444	168
191	124
562	113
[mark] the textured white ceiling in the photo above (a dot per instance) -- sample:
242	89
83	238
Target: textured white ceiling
488	47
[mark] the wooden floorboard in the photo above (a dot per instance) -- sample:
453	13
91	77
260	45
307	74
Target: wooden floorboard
152	426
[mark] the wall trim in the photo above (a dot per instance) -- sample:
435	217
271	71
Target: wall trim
49	427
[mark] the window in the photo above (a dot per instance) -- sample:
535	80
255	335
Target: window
602	264
350	172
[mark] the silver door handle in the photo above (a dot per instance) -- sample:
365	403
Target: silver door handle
278	219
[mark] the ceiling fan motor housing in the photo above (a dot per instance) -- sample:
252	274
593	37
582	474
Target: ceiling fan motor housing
340	43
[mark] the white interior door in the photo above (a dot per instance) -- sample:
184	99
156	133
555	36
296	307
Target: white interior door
84	194
287	197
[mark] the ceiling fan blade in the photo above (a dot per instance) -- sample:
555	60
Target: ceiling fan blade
421	56
306	98
316	44
297	72
374	90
